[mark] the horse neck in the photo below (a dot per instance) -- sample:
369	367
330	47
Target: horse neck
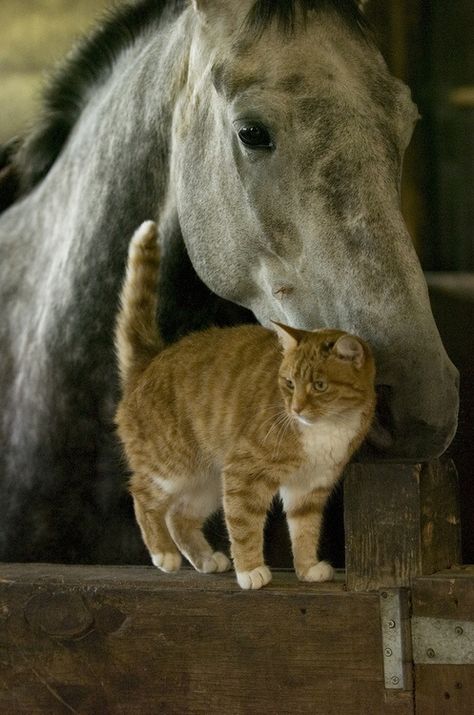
113	171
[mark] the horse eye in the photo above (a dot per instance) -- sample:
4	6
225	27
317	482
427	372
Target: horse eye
255	136
320	385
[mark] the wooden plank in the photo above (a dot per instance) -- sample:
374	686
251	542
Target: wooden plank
132	640
446	594
401	521
445	689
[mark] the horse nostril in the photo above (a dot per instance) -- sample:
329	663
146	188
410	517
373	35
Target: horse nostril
281	291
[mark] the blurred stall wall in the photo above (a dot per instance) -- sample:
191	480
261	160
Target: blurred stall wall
34	35
430	45
397	26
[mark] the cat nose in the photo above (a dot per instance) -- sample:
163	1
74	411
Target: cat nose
297	409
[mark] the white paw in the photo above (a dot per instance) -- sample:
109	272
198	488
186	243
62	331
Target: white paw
321	571
223	563
254	579
167	561
216	563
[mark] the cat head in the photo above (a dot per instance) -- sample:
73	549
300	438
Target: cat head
324	373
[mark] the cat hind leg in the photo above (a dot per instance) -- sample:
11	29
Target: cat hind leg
186	530
150	516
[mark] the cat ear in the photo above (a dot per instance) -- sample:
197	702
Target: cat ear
349	348
288	337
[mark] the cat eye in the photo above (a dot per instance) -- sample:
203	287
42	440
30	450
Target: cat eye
320	385
289	383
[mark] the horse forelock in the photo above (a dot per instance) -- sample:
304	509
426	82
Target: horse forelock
68	88
285	13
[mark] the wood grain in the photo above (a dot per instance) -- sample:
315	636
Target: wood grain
131	640
446	594
445	689
401	521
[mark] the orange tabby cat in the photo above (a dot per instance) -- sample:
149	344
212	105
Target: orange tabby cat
230	416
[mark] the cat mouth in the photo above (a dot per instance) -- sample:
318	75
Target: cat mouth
304	420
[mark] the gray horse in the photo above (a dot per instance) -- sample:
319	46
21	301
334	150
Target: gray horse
267	138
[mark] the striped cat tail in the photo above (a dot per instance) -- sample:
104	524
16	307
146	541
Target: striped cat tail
137	340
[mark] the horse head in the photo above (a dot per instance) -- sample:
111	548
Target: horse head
288	140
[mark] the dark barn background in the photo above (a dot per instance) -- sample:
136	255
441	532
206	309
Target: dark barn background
427	43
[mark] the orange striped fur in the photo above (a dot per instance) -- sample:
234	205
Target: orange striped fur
231	417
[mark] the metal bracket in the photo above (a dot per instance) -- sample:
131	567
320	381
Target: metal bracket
442	641
395	639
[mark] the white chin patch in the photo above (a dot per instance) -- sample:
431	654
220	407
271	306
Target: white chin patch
304	421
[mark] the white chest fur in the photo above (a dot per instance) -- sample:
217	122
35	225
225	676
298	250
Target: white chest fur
325	445
326	442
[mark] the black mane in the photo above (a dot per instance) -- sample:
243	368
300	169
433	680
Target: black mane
63	97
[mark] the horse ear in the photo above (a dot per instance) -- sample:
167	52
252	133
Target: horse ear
205	8
288	337
350	349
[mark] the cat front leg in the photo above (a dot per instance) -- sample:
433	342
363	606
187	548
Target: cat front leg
304	516
247	498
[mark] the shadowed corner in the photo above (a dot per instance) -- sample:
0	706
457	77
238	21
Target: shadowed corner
9	179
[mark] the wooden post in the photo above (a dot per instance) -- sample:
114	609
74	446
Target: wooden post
401	521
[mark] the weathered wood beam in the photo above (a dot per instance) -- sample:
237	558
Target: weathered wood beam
132	640
401	521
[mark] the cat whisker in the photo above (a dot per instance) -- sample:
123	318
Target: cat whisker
275	405
285	426
276	422
287	421
275	414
